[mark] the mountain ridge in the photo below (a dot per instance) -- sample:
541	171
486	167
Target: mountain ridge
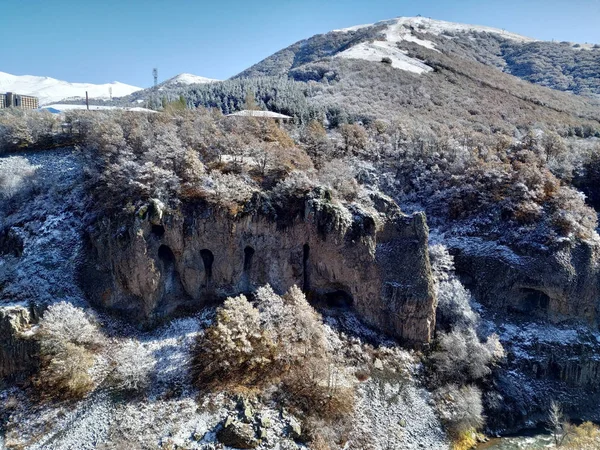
51	90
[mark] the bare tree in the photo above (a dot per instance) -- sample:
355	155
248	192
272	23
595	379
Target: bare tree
557	424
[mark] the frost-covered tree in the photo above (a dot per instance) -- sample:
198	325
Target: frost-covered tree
67	339
16	175
132	366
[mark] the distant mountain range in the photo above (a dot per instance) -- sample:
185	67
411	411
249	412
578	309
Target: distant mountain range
50	90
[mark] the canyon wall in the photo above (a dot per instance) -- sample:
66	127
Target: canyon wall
163	261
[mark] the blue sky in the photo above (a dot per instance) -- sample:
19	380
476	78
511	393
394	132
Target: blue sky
100	41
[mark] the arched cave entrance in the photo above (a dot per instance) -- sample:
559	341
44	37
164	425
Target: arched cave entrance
338	298
248	255
208	260
158	231
170	274
534	300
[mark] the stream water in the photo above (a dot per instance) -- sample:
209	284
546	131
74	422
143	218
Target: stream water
522	442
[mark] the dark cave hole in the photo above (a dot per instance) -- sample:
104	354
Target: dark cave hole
158	231
208	259
338	299
166	256
534	299
248	255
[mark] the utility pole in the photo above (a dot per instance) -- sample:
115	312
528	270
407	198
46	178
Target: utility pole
155	75
87	100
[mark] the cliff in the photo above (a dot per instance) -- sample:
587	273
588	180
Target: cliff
167	260
18	353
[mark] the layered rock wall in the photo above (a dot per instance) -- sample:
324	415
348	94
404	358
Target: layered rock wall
376	263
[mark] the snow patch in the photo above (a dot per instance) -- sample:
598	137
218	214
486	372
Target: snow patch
376	51
65	107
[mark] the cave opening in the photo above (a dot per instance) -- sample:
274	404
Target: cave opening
207	259
248	255
165	254
305	273
169	273
338	299
534	299
158	231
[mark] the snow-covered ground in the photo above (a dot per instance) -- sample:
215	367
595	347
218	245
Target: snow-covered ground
402	29
425	25
66	107
50	90
377	50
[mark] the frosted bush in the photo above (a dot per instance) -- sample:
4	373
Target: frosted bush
461	357
15	172
67	337
295	325
63	322
132	366
66	371
460	408
235	347
454	301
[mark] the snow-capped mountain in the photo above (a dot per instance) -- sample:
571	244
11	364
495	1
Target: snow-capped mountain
564	66
402	26
407	29
50	90
185	79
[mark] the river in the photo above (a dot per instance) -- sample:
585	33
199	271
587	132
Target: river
523	442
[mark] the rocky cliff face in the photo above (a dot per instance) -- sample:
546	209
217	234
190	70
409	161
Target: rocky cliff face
555	285
375	262
18	353
545	363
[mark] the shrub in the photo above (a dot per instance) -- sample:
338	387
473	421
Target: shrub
132	366
460	409
67	340
583	437
15	175
279	343
65	371
454	301
461	357
65	323
236	349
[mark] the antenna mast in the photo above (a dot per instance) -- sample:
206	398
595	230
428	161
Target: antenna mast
155	75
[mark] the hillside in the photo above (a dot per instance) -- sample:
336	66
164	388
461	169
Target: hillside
559	65
410	263
169	89
413	69
51	90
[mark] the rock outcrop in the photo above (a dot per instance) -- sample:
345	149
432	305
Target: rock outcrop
557	285
374	261
18	352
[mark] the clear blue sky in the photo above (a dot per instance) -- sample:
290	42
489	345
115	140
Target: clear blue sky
100	41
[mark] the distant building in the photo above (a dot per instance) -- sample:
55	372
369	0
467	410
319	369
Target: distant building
261	115
12	100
